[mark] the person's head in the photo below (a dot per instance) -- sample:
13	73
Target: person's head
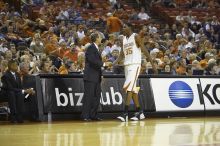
24	67
80	28
25	58
10	29
37	42
142	10
8	55
212	64
178	36
115	53
167	68
13	48
184	53
12	65
166	59
72	46
96	38
195	64
45	66
126	30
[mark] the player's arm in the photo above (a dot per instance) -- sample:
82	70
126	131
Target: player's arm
141	45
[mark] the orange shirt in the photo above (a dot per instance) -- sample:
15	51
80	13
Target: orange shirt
181	70
71	55
63	70
114	24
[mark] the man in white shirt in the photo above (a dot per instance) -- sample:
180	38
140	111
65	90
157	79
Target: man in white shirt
143	15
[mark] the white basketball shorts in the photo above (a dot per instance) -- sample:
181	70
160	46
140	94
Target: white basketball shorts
131	75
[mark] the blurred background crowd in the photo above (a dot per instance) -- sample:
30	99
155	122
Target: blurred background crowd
51	36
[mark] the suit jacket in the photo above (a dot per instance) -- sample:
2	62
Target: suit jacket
93	64
10	83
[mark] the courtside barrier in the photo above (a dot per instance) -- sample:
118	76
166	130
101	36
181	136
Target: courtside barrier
166	95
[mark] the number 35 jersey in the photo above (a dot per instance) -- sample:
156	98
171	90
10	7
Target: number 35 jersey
131	52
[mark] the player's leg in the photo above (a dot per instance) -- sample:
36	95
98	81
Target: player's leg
124	116
139	115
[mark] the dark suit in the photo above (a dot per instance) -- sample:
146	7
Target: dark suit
13	89
92	81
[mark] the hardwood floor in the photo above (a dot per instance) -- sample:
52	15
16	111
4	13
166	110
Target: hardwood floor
150	132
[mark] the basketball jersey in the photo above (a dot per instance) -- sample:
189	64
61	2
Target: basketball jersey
131	52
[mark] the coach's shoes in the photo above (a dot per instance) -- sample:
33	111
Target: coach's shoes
123	118
138	116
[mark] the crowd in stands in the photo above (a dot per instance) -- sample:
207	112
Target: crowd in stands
55	41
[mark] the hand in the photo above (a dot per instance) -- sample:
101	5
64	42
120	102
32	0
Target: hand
108	64
29	91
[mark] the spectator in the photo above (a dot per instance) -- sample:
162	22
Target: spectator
181	67
143	15
114	24
211	69
180	17
13	87
37	46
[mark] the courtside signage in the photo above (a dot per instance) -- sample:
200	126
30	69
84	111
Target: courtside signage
211	93
177	94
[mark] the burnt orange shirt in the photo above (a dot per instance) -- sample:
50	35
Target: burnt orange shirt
63	70
181	70
114	24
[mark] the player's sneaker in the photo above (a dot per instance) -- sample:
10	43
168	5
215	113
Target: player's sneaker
138	116
123	118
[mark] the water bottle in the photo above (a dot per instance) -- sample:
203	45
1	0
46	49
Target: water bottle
49	116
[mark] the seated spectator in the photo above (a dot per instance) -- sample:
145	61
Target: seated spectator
211	69
167	68
114	55
181	67
169	3
80	32
3	45
47	68
37	46
133	15
12	36
64	67
8	55
196	65
180	17
143	15
202	4
143	67
118	5
13	87
114	24
113	2
63	15
3	66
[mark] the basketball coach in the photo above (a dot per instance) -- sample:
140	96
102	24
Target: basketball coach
92	79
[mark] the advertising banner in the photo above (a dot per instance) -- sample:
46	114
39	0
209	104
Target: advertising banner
65	95
176	94
211	93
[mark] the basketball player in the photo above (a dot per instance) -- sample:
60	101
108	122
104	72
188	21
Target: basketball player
132	49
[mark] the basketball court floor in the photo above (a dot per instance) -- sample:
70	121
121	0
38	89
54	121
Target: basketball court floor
150	132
